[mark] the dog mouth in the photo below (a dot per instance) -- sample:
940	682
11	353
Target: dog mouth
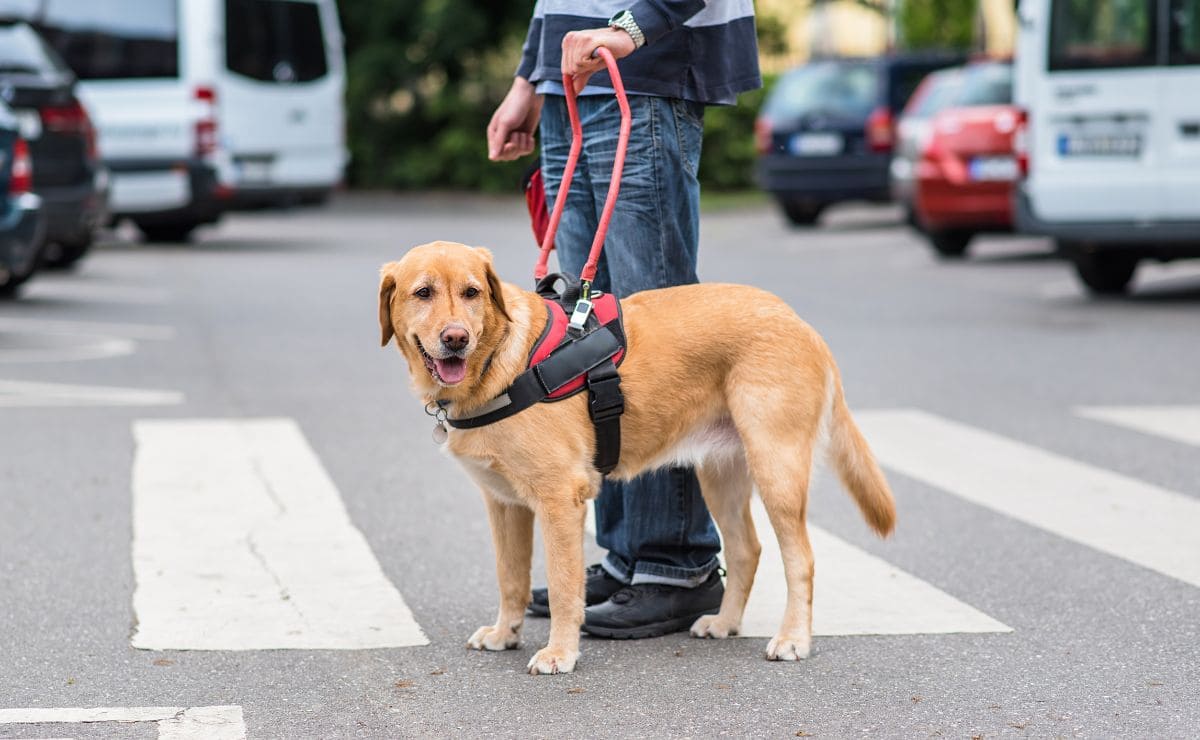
446	370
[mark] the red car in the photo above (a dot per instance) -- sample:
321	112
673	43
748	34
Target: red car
966	168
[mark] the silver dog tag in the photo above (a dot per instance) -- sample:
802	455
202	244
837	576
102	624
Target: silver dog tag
440	435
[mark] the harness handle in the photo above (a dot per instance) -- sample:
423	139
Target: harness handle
614	184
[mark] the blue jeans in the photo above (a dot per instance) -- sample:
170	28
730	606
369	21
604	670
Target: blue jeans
656	528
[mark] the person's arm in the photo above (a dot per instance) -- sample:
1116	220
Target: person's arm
655	19
510	133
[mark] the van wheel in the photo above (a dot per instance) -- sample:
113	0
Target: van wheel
1105	273
801	213
950	243
174	232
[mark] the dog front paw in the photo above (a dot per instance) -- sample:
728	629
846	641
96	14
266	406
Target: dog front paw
711	625
788	648
491	637
552	660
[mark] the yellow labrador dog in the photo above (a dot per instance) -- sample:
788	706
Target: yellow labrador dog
723	377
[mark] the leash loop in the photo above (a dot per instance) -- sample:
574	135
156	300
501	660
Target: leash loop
614	184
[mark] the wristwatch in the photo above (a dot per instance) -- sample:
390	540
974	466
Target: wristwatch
624	21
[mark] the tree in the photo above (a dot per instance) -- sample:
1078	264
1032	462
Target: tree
423	77
936	24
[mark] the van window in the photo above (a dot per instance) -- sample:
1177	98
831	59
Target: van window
828	88
1085	34
274	40
1185	31
113	39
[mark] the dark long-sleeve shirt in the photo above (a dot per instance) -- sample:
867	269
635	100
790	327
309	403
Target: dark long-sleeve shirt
696	50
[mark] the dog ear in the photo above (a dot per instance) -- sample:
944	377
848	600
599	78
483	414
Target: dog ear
493	282
387	286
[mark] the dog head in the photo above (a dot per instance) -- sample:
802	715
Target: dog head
444	305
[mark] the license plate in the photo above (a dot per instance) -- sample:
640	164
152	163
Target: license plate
817	144
993	169
1099	145
255	171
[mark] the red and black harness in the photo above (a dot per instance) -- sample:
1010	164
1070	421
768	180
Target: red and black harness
581	351
566	360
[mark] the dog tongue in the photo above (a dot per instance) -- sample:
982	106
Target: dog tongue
451	370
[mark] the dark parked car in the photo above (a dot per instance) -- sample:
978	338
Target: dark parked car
40	89
826	131
21	223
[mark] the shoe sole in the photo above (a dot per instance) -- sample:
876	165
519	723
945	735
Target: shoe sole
658	629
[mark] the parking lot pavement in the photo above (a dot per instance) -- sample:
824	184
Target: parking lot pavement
221	512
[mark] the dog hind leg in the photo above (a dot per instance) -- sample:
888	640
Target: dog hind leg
726	487
780	428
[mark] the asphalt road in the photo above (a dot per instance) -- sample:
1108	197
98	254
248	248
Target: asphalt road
1042	446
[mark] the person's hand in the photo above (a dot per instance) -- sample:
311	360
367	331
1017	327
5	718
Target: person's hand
578	46
510	132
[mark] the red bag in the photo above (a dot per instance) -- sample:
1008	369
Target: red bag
535	200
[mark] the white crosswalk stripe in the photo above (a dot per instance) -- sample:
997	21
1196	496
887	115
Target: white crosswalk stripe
1117	515
174	723
241	542
1176	423
855	593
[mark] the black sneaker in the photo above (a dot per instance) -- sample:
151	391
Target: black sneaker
653	609
599	586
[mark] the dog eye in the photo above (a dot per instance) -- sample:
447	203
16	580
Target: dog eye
471	292
423	293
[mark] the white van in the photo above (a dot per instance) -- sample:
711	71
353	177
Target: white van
206	105
1112	94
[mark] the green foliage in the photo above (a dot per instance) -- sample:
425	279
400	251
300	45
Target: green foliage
936	24
424	76
727	156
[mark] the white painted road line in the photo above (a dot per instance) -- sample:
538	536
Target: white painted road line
39	348
241	542
154	332
174	723
854	592
1176	423
21	394
75	291
1120	516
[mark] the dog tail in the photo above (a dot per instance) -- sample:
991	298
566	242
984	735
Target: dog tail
851	457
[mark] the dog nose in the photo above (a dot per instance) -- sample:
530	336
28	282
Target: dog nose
455	338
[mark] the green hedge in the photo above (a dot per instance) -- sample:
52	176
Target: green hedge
423	78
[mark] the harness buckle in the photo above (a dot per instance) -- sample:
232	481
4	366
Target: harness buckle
605	400
580	315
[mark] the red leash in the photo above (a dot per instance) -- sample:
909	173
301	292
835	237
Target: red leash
614	185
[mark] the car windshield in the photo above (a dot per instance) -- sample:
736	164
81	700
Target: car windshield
830	88
22	51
